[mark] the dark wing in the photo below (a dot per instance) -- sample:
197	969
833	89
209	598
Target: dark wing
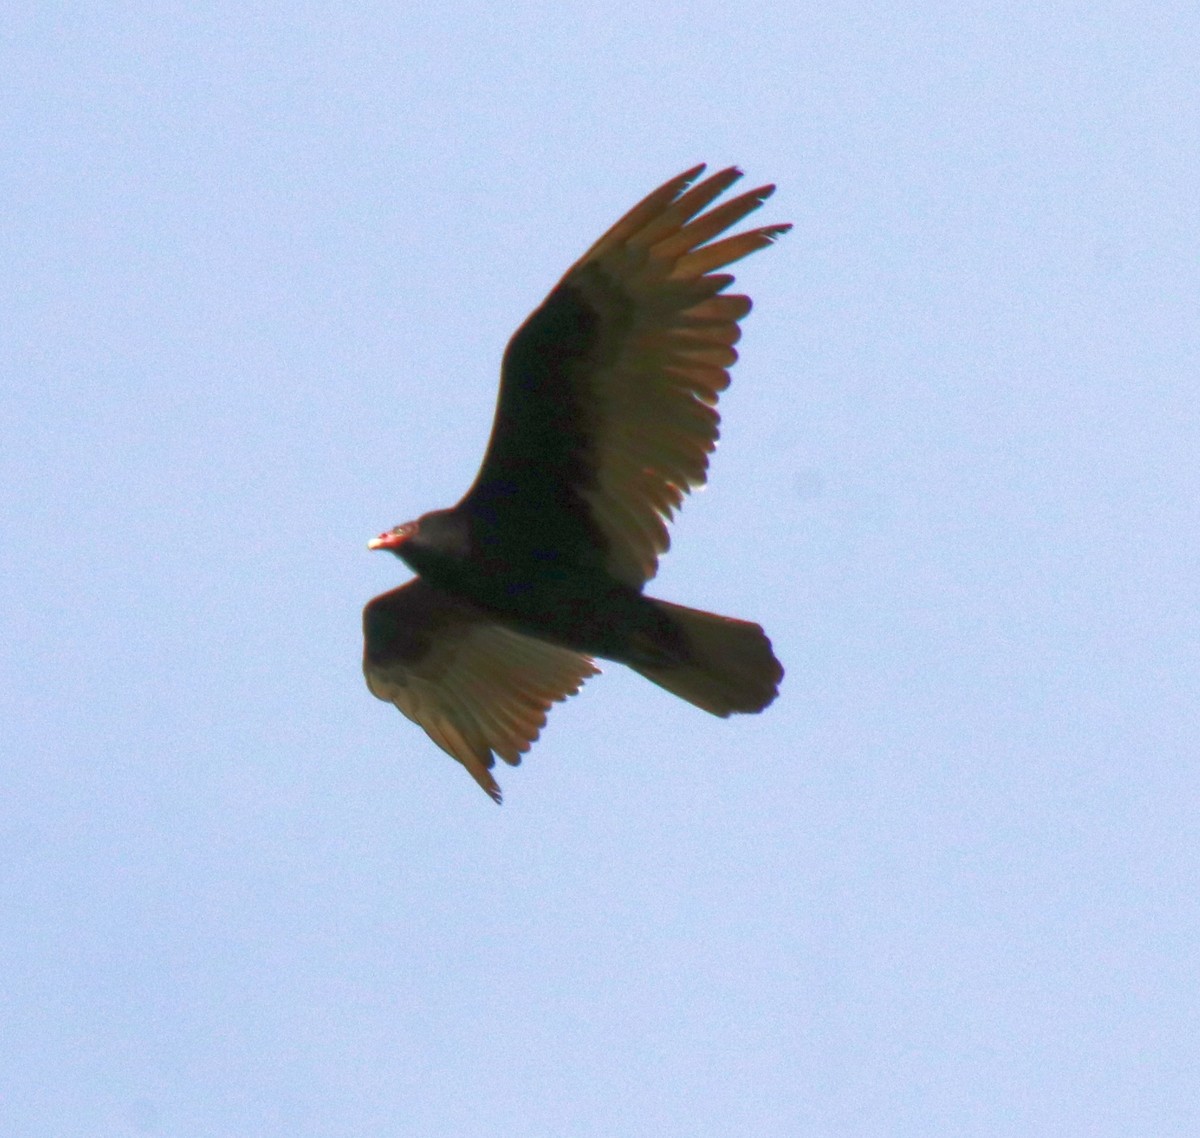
606	415
477	688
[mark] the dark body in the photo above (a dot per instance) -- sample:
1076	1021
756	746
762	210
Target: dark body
542	591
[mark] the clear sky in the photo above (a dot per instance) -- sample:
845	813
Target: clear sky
258	263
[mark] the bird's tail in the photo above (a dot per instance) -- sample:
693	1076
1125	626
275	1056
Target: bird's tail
729	666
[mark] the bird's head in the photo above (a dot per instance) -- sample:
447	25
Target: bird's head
434	538
395	538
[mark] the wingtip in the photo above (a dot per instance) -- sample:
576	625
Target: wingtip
721	180
681	183
489	786
725	177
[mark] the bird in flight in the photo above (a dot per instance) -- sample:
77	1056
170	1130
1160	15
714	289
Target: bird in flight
605	420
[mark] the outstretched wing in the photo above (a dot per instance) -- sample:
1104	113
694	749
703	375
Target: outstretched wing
477	688
606	415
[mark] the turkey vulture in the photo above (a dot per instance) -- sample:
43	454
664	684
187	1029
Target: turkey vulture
605	419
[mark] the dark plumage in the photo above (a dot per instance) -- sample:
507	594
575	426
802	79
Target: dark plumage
606	418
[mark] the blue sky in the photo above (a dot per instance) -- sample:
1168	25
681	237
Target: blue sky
258	265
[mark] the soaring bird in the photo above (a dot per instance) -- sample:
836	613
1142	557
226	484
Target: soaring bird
605	420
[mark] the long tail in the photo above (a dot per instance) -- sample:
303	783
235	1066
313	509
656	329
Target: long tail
730	668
